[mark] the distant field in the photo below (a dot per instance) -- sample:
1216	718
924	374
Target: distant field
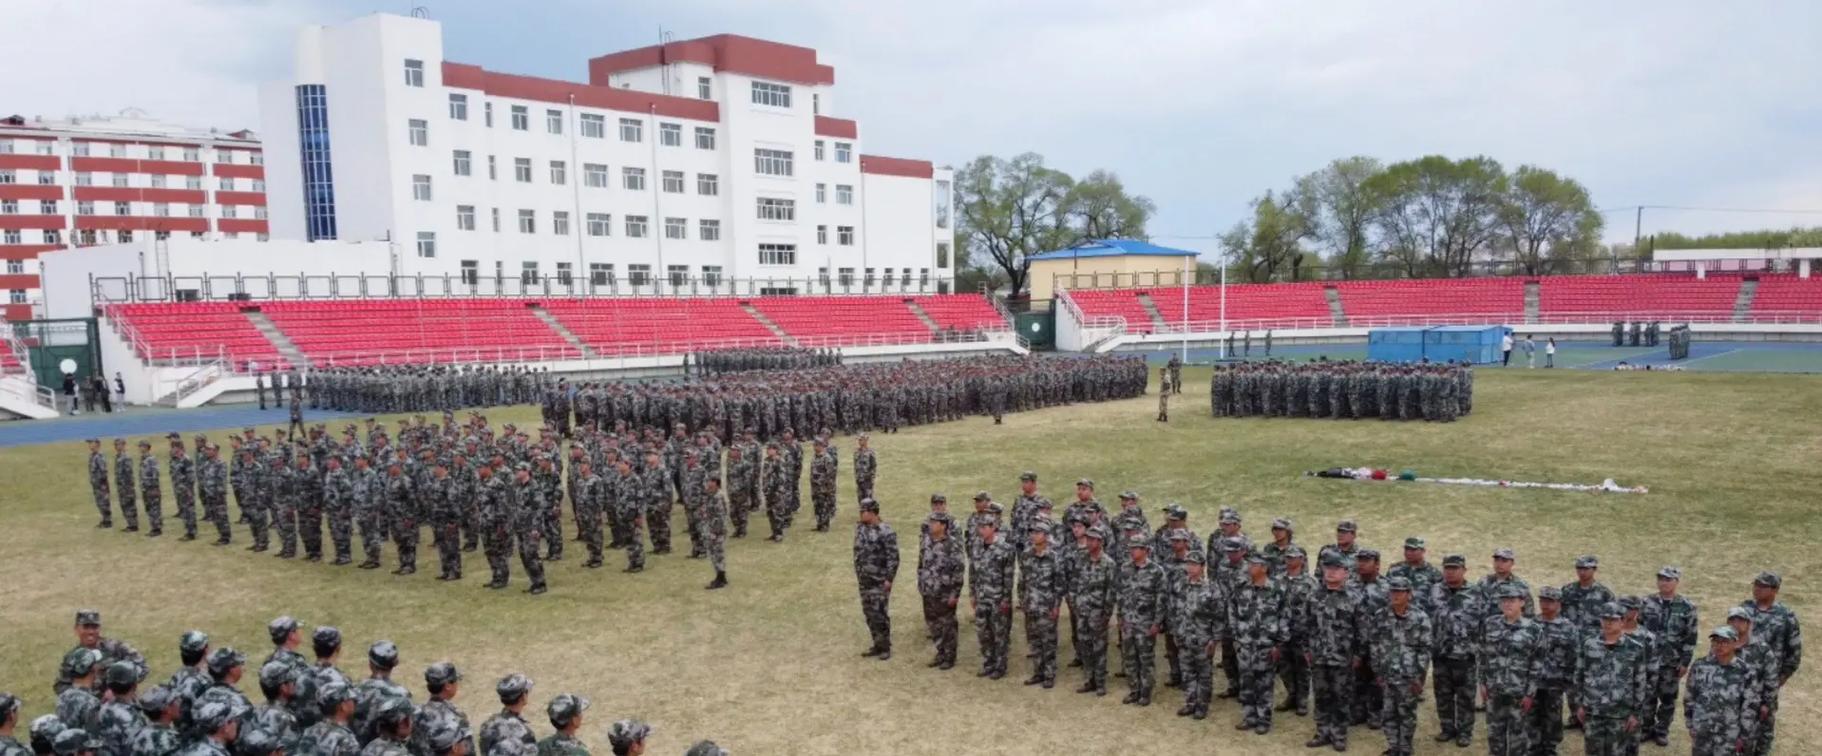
771	665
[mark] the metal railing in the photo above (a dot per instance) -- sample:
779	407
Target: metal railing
1515	320
132	288
21	357
192	382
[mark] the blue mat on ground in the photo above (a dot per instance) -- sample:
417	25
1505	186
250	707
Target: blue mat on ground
142	422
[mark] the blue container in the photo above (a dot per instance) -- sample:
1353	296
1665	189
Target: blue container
1477	345
1395	344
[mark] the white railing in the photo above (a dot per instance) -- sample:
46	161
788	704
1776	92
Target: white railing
196	380
21	354
30	391
1510	319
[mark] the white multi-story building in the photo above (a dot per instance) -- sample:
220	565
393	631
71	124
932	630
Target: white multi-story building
697	161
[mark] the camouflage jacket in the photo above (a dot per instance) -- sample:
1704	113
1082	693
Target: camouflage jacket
277	719
1091	586
1561	650
1761	666
940	568
1455	614
1299	591
1582	606
111	651
822	472
507	734
1257	623
1511	655
1676	623
433	711
1336	634
1779	628
1422	576
990	576
326	738
1488	586
386	747
98	471
183	474
1141	594
117	723
561	745
1401	649
151	740
148	474
866	465
1198	612
1274	556
1720	704
212	477
338	491
875	555
1612	678
368	696
79	708
125	475
1041	579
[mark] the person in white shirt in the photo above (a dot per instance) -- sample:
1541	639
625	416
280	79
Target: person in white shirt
1550	353
1505	348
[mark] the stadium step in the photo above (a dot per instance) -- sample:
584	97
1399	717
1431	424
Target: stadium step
770	326
1531	300
1151	308
562	330
923	316
1339	315
280	341
1742	305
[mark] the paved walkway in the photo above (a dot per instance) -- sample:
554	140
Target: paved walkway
146	421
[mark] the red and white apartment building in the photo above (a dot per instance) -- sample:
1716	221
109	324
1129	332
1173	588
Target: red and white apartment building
90	181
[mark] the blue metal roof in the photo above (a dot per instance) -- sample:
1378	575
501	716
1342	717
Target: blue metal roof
1112	248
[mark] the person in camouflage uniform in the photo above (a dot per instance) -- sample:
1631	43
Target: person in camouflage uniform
158	737
191	679
98	484
217	726
254	504
77	705
442	682
1368	699
88	637
875	567
445	515
283	490
307	498
212	487
402	518
589	494
1198	616
565	714
507	733
1511	657
1762	665
391	719
126	482
1582	602
149	492
866	466
941	564
1721	703
367	494
1556	672
776	483
1776	625
1675	620
822	484
990	586
714	523
1093	582
338	506
1611	677
529	508
1300	590
331	736
1401	656
629	500
1256	617
659	494
372	695
1654	657
183	487
120	716
1041	601
742	472
1334	644
1141	586
1417	569
278	683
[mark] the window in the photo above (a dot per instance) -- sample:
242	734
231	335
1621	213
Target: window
196	211
161	209
458	108
678	274
886	278
420	187
868	280
906	281
227	211
79	149
194	155
117	150
471	271
594	125
521	170
559	172
87	236
255	158
227	183
50	177
711	276
844	276
495	212
942	206
632	130
600	224
126	208
923	276
708	184
639	275
564	274
259	211
427	244
704	88
594	175
85	178
844	235
942	254
53	237
6	146
414	73
487	114
633	179
9	207
419	130
822	234
493	171
819	150
499	270
559	223
636	226
553	121
528	221
844	194
528	273
673	182
708	230
771	162
705	138
120	179
47	207
521	118
192	182
676	228
777	254
463	163
601	274
777	209
844	152
822	192
465	217
8	177
15	296
670	134
158	181
771	95
83	207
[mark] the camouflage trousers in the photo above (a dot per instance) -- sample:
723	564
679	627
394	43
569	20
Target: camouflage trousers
496	542
284	520
1660	704
939	620
341	527
1545	721
129	507
1138	655
1230	667
528	555
616	527
240	502
692	519
1256	676
873	606
373	534
715	541
1715	744
1091	645
447	534
658	520
863	487
215	510
1171	658
310	525
1198	666
1334	688
259	520
1041	639
1765	730
471	527
588	530
1507	734
1369	698
993	628
740	505
1602	736
103	500
1453	684
1399	718
154	507
186	506
823	499
551	530
778	515
405	537
634	542
1294	672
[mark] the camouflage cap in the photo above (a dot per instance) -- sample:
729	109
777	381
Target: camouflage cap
942	517
144	444
564	708
1414	542
1587	562
92	440
88	618
937	498
1550	593
1129	495
1281	523
1230	516
1256	558
1177	534
1769	580
1099	532
1347	526
383	654
1610	610
225	658
441	673
275	673
257	741
1630	603
212	715
995	508
81	661
1670	573
1194	557
1085	483
512	686
1398	584
9	703
1333	560
1454	560
1506	554
1509	591
1740	613
626	732
982	496
1175	511
156	699
45	728
1138	541
1028	477
1295	552
281	627
392	710
122	672
706	748
1724	633
442	734
75	740
333	694
1231	544
869	504
1363	554
326	636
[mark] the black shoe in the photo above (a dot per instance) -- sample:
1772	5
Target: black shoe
1143	701
1048	684
445	576
870	653
1444	737
1186	710
934	663
156	532
259	547
1372	725
1285	706
1085	688
1174	682
470	548
1199	715
554	558
885	654
536	589
1100	691
1660	741
983	673
947	664
1316	742
1033	680
130	529
1244	725
1073	663
314	558
592	563
1263	729
409	571
496	585
369	565
220	542
1302	710
188	537
104	524
1463	741
720	581
1339	747
997	675
342	560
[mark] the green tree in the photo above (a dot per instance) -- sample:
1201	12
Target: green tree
1009	210
1761	239
1098	207
1269	247
1549	222
1344	206
1437	214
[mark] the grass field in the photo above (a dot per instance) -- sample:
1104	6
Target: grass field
771	665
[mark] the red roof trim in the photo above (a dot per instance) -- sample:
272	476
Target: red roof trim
730	53
837	127
465	76
891	166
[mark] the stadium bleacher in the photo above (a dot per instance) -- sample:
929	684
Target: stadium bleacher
816	318
416	330
657	325
1643	294
10	362
1124	303
195	331
1788	294
961	312
1459	296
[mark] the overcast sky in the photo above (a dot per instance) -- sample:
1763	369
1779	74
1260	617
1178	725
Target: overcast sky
1199	105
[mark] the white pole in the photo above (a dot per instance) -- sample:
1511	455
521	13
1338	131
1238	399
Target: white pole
1224	304
1185	325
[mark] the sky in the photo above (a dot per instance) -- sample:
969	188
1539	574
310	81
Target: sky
1200	105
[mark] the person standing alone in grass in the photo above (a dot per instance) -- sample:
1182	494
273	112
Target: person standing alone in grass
1550	353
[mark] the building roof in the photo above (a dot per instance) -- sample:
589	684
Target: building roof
733	53
1112	248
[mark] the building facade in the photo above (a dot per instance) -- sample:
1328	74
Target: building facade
703	160
89	181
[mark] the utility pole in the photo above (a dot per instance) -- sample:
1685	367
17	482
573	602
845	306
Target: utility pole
1638	225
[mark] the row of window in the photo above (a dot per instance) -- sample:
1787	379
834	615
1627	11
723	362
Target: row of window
124	180
599	274
590	125
89	236
115	149
159	209
594	175
594	224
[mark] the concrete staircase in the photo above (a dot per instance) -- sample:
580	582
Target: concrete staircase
1742	305
1151	308
918	310
1531	301
278	338
562	330
1336	313
767	322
